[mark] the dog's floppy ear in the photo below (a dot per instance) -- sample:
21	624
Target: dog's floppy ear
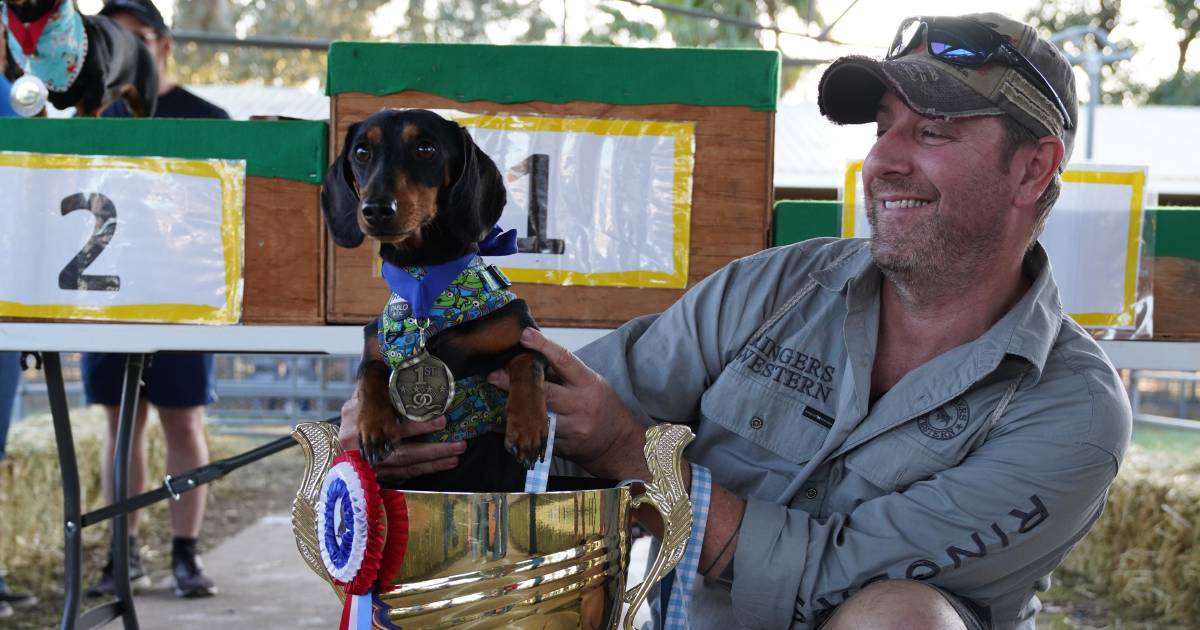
339	200
477	197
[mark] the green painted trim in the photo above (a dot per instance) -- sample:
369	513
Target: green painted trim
559	74
797	221
1176	232
287	149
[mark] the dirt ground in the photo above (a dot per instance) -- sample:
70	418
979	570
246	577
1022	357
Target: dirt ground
268	486
243	497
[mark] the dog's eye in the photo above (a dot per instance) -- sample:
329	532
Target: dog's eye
426	150
362	153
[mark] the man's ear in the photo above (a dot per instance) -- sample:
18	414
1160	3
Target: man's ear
478	196
1037	164
339	197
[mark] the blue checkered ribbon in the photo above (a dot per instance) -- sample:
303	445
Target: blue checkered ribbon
536	479
689	566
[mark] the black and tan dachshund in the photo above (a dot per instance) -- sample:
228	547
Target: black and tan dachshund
418	185
116	66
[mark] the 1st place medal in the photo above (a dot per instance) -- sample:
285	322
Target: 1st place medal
421	386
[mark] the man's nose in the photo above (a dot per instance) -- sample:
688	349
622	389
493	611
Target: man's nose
890	155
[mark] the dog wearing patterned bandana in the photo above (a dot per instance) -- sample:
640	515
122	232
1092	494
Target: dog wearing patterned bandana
86	61
418	185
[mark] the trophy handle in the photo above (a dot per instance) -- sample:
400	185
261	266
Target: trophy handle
319	441
667	494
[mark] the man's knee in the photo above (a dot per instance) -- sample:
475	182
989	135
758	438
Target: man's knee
896	605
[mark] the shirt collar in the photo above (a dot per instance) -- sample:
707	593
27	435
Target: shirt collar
1031	327
1028	330
851	265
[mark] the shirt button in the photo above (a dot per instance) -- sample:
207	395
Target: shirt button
811	493
756	423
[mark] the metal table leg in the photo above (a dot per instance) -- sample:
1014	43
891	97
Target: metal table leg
72	523
120	471
72	516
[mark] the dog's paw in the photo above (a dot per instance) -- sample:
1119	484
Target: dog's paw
377	435
526	441
374	451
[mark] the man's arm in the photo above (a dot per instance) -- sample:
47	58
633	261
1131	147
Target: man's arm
997	522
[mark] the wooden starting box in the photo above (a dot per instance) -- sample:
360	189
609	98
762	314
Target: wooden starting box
283	269
725	101
1172	257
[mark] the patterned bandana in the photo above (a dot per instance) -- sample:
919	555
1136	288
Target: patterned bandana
57	52
477	406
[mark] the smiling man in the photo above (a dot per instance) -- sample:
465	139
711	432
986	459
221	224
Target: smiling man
902	432
964	432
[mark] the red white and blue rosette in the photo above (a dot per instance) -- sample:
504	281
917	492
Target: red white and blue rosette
351	525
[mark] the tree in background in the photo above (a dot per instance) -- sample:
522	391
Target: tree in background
1052	16
1184	87
1119	85
294	19
616	28
519	21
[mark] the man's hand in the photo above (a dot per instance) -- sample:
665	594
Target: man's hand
407	459
594	429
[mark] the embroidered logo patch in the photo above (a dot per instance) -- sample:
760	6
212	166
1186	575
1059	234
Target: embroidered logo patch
946	422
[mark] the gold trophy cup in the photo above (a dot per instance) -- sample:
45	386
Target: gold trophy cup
519	560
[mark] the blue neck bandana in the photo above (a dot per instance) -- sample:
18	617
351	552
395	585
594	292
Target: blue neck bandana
421	286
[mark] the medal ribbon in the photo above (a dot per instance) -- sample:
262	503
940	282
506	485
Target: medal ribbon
27	35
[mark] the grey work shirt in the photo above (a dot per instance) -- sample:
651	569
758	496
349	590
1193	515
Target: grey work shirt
978	471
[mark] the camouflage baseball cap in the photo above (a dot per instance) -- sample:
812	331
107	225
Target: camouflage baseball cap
852	86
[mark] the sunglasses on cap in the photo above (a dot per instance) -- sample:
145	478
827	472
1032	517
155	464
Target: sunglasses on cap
971	44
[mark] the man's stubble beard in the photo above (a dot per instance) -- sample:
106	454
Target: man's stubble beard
941	252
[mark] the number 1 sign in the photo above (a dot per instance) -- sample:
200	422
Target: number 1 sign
121	238
597	202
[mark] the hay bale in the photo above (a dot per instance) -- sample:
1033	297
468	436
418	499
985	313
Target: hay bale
31	516
1145	551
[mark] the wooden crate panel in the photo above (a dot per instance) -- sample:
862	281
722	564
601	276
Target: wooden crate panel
284	248
1176	298
284	238
732	195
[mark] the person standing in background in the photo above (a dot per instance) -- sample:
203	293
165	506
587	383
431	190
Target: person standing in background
179	385
10	371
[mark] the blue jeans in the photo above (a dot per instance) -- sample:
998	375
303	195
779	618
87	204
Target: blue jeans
10	377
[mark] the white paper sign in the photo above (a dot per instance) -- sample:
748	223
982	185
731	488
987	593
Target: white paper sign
596	202
114	238
1093	238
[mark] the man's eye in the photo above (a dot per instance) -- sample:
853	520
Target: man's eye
362	153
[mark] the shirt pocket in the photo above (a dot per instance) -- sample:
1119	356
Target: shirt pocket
894	461
769	418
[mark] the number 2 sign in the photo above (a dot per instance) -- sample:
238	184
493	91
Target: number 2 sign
121	238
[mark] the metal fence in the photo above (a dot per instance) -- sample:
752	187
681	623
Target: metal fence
267	394
257	394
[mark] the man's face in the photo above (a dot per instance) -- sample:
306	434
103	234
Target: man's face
937	192
156	44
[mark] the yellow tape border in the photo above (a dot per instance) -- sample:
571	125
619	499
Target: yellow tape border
1135	179
684	134
232	177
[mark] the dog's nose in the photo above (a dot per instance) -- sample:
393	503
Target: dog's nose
377	212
